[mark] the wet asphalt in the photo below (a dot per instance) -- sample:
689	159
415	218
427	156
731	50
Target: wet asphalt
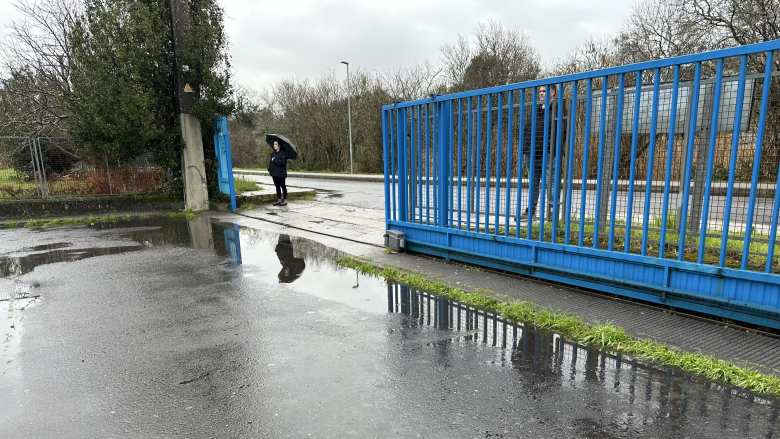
193	329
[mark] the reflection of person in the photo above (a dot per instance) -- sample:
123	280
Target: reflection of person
538	151
277	167
292	267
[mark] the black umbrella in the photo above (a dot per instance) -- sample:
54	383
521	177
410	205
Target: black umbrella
284	143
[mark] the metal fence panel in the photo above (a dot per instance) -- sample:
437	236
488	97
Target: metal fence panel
656	180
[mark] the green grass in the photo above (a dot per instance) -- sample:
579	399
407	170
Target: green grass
604	336
91	220
242	186
14	184
759	246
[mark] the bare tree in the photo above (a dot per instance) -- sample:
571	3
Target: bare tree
740	21
38	55
496	56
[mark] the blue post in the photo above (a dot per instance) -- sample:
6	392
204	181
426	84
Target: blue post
616	161
444	148
499	152
521	125
386	164
460	158
508	171
585	156
545	156
705	213
479	159
770	256
556	180
689	163
403	145
570	163
600	160
757	158
650	159
668	167
632	165
488	148
468	164
428	174
736	129
392	128
531	162
418	157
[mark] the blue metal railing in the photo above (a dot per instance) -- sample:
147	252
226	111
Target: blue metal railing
653	180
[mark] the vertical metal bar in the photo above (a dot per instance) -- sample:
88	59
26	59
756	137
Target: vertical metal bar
468	164
532	161
736	129
600	160
419	164
632	164
393	176
757	159
509	152
479	159
705	214
773	227
386	163
616	161
499	144
460	160
520	139
669	154
428	173
556	180
434	160
545	156
650	159
488	148
403	188
411	158
444	149
450	164
689	162
570	162
585	156
42	159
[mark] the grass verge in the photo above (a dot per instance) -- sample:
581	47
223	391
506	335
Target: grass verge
90	220
603	336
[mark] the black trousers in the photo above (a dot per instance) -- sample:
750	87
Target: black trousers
281	187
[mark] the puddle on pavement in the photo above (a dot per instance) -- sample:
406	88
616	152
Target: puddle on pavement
634	398
11	266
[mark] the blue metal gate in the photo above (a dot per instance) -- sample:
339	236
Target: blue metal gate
222	149
656	181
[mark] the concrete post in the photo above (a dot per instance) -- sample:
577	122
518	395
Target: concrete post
196	195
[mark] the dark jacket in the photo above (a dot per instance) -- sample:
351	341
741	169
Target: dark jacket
277	166
539	134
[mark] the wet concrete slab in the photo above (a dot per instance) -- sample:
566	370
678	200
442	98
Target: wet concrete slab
212	330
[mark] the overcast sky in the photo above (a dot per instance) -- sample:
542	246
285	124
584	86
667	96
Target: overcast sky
272	40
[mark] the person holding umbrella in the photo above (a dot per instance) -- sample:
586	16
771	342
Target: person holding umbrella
283	150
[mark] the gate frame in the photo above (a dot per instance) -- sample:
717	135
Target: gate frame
710	289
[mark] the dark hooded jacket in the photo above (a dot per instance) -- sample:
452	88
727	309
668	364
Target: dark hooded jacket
277	165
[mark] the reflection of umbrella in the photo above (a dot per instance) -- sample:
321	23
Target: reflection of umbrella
292	267
290	150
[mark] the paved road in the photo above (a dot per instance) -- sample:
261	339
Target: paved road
196	330
371	195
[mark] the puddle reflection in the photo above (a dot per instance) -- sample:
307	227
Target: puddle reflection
631	395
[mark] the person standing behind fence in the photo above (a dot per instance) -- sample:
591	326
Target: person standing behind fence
277	167
538	152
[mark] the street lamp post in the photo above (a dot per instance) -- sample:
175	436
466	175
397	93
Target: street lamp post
349	119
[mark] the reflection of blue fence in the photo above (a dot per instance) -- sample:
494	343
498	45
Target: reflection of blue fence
655	180
224	160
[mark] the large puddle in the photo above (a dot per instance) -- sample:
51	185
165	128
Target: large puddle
635	399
